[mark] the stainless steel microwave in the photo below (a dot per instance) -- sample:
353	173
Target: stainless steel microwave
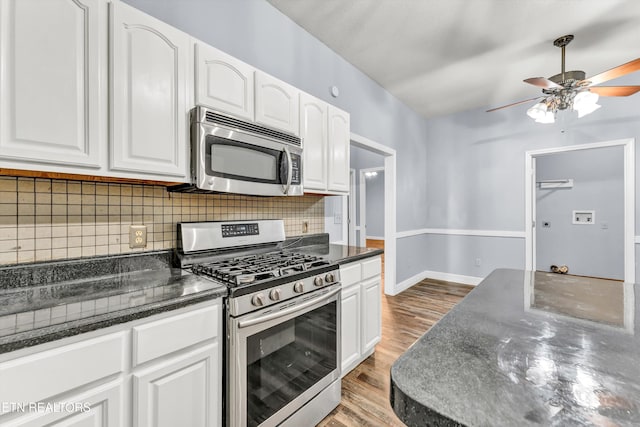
233	156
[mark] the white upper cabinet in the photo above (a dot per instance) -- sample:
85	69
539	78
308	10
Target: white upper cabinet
339	137
149	99
223	82
276	103
325	134
51	101
313	131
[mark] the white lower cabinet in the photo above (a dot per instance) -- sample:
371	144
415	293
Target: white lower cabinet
361	323
180	391
351	350
169	375
371	314
100	407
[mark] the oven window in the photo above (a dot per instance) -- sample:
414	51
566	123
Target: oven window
244	162
287	359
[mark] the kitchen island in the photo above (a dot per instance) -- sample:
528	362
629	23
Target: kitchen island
527	348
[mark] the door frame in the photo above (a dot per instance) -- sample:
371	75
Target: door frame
362	182
352	227
389	206
629	200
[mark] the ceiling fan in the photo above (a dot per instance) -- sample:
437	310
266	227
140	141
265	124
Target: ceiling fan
570	89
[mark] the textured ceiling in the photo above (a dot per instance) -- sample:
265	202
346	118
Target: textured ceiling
445	56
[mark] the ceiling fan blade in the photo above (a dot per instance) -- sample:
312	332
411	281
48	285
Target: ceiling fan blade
541	82
613	73
614	90
515	103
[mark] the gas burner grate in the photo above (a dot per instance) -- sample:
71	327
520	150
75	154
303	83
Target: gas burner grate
257	268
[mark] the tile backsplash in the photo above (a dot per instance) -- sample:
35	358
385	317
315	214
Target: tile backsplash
45	219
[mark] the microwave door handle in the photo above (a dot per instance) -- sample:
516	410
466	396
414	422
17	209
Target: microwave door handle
289	170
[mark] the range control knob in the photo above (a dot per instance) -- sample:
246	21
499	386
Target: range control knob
258	300
298	288
274	294
329	278
318	281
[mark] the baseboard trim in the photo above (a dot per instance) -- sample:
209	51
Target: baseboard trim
375	237
436	275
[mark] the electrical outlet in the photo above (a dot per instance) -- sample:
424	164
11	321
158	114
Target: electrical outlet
305	226
137	236
478	262
337	218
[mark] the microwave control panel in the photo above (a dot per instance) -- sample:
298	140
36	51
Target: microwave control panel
295	169
237	230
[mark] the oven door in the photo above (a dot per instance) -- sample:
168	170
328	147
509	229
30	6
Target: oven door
281	357
237	162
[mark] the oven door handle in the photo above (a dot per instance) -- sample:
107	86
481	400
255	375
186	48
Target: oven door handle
289	170
286	311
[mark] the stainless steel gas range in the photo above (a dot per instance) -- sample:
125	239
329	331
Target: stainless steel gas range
282	364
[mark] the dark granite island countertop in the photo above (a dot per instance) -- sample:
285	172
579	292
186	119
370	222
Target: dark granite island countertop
43	302
526	348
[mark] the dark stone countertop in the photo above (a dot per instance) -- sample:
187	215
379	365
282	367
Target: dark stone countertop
318	244
341	254
43	302
524	348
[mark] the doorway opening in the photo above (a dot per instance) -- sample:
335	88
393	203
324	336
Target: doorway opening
356	224
371	202
572	219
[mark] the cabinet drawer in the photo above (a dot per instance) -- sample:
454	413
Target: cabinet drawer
172	334
350	274
371	267
42	375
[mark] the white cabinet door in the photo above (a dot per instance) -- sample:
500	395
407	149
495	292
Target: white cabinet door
51	102
182	391
149	61
223	82
313	131
101	406
371	314
350	329
276	103
339	137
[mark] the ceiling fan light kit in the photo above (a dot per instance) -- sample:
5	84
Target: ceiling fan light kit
570	89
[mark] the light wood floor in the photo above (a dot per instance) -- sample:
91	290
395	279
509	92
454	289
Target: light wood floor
405	318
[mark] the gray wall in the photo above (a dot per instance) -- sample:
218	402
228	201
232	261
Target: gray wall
476	172
595	249
259	34
375	205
